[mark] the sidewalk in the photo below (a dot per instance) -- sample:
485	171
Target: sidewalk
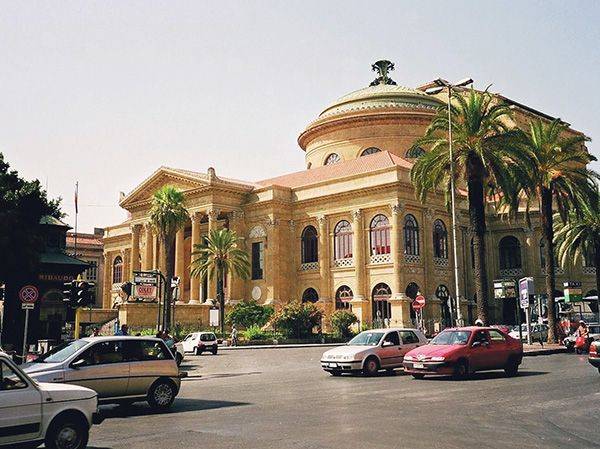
528	350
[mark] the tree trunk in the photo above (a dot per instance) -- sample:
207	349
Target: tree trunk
221	301
597	266
167	256
475	172
548	232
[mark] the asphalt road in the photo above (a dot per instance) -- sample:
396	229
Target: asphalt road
280	398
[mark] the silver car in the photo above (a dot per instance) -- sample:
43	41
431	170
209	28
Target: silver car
371	351
119	369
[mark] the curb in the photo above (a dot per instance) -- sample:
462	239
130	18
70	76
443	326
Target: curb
549	351
305	345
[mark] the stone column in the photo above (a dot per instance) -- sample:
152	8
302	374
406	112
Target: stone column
235	284
155	251
147	258
180	258
213	215
324	258
106	301
272	268
194	281
358	254
135	249
396	247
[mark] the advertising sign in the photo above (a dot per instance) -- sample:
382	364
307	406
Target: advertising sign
213	317
573	292
525	291
145	286
505	288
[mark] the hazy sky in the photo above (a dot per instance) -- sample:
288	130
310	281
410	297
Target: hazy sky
106	92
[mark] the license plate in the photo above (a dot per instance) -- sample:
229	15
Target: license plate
333	365
418	365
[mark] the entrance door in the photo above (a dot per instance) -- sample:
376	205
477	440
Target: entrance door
382	309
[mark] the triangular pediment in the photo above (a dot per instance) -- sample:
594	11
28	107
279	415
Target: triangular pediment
181	179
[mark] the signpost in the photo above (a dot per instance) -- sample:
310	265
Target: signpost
525	292
417	306
28	295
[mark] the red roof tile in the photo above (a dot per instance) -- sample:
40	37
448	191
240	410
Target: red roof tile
358	166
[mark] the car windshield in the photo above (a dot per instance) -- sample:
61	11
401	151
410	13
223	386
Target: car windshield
451	338
366	339
61	352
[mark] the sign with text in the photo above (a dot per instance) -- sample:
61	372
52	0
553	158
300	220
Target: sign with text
505	288
573	292
525	291
145	286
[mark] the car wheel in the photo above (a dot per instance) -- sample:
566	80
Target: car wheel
68	432
512	368
419	376
578	351
371	366
198	351
461	370
178	359
162	394
214	351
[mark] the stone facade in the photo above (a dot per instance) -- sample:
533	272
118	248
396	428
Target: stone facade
357	171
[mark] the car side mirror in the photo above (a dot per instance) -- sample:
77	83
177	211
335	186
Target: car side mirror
78	363
476	344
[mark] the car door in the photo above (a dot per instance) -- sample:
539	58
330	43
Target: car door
188	343
499	351
150	359
479	352
390	350
409	341
103	367
20	406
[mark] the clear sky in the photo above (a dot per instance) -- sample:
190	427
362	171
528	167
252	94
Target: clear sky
106	92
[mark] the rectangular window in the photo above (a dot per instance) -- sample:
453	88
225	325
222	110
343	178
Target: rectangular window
91	274
258	261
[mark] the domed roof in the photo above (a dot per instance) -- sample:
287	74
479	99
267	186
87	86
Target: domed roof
380	96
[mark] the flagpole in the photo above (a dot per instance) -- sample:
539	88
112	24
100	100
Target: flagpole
76	212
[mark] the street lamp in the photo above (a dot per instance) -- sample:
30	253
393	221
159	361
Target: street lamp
445	85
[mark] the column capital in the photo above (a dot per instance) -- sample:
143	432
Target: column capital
237	215
272	222
148	226
430	214
322	220
135	228
397	208
196	217
292	224
356	214
213	213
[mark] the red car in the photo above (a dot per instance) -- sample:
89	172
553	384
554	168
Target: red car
464	350
594	355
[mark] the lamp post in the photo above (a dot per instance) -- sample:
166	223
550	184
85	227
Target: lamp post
445	85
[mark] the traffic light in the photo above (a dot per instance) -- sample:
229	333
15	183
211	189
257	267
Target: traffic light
84	294
70	292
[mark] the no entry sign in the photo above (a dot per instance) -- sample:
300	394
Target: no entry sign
28	294
419	302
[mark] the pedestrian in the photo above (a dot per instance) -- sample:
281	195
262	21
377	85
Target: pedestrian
478	322
124	331
583	331
234	336
95	332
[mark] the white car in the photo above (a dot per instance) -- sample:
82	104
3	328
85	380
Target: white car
179	353
199	342
33	413
371	351
539	332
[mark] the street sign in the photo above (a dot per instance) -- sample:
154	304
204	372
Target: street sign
505	288
419	302
28	293
525	291
145	285
27	305
573	292
213	317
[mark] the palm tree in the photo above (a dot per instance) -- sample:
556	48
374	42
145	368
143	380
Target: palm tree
167	216
579	236
483	150
217	255
553	173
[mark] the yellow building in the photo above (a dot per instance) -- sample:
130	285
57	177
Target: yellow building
346	231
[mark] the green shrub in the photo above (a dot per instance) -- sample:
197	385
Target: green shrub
341	320
255	333
297	319
249	313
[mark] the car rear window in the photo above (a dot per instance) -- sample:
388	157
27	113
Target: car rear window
207	337
408	337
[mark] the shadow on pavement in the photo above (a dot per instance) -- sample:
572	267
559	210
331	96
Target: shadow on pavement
218	375
487	375
179	406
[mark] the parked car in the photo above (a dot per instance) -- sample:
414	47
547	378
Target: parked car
199	342
569	341
179	353
594	354
371	351
119	369
539	332
33	413
465	350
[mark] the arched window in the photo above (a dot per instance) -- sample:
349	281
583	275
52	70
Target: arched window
382	309
117	270
310	244
412	290
440	240
510	252
380	235
411	236
342	240
343	296
443	294
310	295
414	153
370	150
333	158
